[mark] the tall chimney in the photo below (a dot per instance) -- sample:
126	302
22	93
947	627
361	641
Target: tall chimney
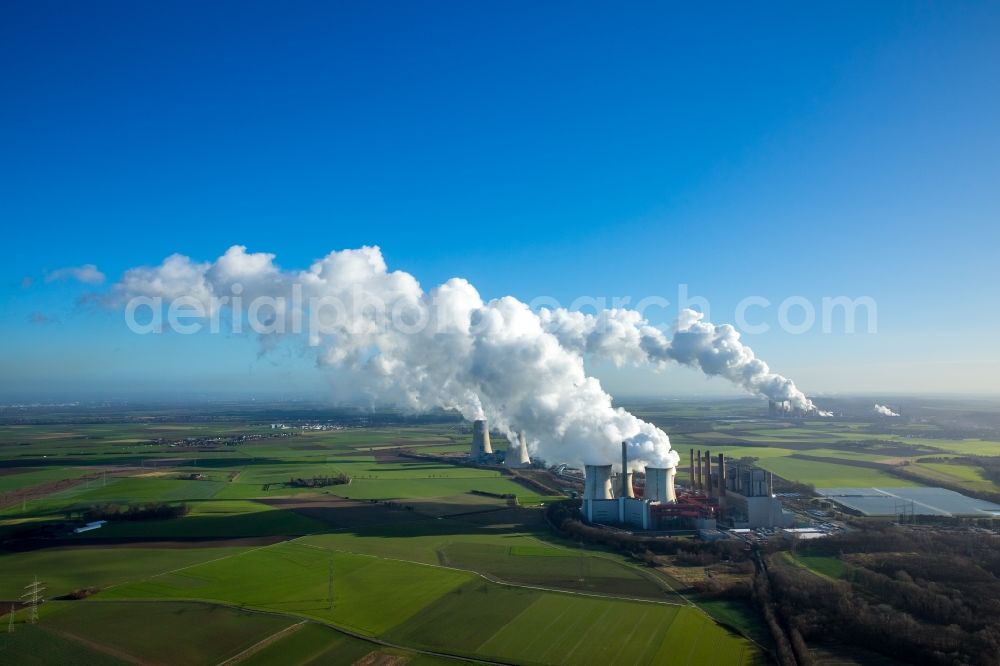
691	482
707	462
697	470
626	481
722	475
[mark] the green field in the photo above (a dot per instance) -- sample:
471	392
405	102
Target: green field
411	555
67	569
826	565
295	577
830	475
185	633
528	626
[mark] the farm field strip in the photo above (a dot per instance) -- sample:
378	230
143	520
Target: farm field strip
507	583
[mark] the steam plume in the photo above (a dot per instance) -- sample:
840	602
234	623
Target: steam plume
882	410
393	342
624	337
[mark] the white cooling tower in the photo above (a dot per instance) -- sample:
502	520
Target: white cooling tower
629	490
598	483
480	439
517	453
525	458
660	484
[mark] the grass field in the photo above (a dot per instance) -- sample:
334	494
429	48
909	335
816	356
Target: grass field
311	643
414	558
36	644
530	626
826	565
830	475
295	577
185	633
67	569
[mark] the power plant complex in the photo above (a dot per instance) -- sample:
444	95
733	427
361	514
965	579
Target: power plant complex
719	492
608	501
482	451
732	494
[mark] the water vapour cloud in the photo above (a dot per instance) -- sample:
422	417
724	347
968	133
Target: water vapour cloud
383	338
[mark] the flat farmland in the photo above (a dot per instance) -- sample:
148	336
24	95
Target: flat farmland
35	644
214	519
295	577
556	568
830	475
311	643
66	569
535	627
163	633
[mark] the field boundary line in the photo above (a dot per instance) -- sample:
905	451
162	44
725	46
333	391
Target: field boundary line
307	618
96	646
261	644
198	564
499	581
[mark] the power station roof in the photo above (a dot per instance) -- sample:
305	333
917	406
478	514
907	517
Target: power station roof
919	501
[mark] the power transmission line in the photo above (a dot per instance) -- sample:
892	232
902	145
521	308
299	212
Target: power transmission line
33	595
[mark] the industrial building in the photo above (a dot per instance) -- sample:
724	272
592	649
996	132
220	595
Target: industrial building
608	499
745	494
750	500
736	495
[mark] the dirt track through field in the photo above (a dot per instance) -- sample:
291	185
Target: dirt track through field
98	647
260	645
27	493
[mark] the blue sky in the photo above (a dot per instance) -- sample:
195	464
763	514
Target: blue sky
537	149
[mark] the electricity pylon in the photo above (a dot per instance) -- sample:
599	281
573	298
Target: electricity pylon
33	596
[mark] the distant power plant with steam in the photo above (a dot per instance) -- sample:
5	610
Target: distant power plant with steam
778	409
482	451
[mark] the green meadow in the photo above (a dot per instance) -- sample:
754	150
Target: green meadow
265	572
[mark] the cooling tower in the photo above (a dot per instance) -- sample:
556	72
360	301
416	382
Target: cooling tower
628	490
517	453
598	483
660	484
480	439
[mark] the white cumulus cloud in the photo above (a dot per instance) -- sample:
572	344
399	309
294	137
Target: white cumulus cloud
87	274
